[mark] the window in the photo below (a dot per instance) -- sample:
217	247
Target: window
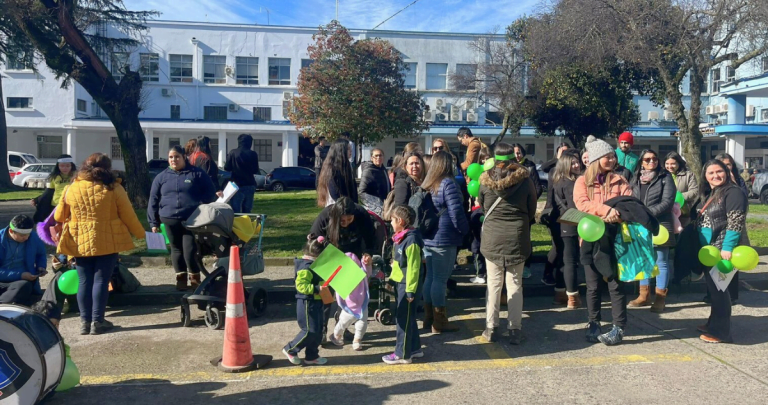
49	147
730	74
19	102
550	150
214	144
436	73
119	62
262	114
215	113
765	64
115	150
175	112
263	148
468	73
20	61
664	149
279	72
715	81
306	62
149	68
173	142
400	147
16	161
247	70
530	149
155	148
214	69
82	106
409	73
181	68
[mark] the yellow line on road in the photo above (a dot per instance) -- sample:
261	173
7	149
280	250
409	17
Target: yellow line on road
494	351
438	367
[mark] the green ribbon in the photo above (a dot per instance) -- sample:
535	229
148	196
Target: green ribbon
502	157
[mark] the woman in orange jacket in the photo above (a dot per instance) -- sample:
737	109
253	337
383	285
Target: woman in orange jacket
598	185
98	221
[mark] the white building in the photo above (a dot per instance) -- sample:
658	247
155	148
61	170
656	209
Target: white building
222	80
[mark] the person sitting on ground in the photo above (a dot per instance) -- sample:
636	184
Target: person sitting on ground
22	261
624	156
58	180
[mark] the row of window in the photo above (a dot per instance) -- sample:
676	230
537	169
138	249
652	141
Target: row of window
730	75
437	75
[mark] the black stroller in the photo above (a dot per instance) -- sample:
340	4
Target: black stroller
212	225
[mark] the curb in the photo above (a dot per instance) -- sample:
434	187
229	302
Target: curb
165	261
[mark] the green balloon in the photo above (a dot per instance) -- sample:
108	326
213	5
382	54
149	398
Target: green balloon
473	188
489	164
69	282
709	255
679	199
70	378
591	228
474	171
725	266
744	258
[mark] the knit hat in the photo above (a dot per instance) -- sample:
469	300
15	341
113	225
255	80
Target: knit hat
597	148
627	137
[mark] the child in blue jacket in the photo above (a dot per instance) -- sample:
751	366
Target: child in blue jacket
22	261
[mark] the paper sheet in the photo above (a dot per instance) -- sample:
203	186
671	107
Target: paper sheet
721	280
156	242
349	276
229	191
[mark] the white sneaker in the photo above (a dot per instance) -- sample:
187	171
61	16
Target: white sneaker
477	280
335	341
356	345
295	360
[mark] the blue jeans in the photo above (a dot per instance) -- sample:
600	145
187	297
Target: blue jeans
92	294
662	260
242	201
440	260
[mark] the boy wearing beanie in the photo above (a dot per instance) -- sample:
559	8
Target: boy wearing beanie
624	153
22	260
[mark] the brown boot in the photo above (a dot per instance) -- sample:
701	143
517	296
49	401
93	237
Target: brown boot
574	300
658	303
194	280
561	298
181	281
644	299
429	317
441	323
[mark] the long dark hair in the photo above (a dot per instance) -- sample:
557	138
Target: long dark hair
504	168
440	168
705	189
57	172
734	169
682	165
98	168
639	167
204	146
336	169
342	206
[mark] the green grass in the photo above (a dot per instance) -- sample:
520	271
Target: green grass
758	208
19	194
758	231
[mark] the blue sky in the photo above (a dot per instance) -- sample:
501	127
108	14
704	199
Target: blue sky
472	16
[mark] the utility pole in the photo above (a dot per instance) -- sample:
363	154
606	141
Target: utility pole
337	10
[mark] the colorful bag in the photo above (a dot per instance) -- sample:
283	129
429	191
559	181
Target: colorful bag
633	247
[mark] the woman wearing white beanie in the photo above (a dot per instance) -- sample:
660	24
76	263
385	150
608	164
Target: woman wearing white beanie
598	185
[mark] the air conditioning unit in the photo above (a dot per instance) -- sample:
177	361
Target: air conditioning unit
456	116
455	109
669	115
442	109
471	116
441	117
469	105
287	95
429	116
166	92
653	115
750	111
439	102
710	110
234	108
718	109
287	107
229	71
764	115
724	108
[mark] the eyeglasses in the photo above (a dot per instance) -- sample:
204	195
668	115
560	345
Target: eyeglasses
650	160
437	148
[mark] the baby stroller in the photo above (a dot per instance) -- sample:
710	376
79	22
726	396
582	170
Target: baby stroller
212	225
382	296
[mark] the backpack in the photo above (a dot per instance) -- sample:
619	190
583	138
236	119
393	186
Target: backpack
123	281
427	216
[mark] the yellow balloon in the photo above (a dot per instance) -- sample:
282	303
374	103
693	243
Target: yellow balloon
662	237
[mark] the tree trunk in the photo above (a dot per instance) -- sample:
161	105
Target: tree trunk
5	177
504	128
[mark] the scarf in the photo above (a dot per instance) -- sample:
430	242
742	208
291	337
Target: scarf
647	176
398	237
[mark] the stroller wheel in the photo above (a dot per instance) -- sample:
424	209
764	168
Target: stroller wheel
213	318
385	317
376	314
186	318
257	302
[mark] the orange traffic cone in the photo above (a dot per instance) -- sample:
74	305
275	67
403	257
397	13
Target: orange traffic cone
237	356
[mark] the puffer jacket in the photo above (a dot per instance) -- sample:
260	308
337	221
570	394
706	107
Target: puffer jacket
374	181
687	185
596	205
176	194
659	198
97	221
506	239
453	224
404	187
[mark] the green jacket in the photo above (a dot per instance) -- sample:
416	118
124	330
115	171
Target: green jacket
307	282
628	160
408	254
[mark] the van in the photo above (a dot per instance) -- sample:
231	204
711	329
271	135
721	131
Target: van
17	160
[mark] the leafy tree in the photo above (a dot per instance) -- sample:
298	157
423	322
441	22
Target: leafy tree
355	88
67	35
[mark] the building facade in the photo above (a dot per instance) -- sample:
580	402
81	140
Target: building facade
222	80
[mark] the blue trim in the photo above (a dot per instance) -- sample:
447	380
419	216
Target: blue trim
742	129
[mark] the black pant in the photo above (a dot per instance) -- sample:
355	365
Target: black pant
93	292
408	339
309	314
719	322
567	276
16	292
183	248
594	297
555	254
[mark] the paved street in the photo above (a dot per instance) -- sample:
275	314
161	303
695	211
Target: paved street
150	359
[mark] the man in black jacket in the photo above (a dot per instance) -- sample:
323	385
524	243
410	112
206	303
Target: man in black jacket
321	151
243	163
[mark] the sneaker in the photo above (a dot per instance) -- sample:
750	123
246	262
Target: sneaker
417	354
477	280
335	341
98	328
696	277
489	335
612	337
593	331
295	360
711	339
393	359
516	337
548	279
357	345
320	361
85	327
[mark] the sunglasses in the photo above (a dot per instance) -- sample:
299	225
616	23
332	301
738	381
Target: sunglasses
650	160
437	148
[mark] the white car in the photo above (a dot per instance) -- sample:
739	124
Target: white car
34	175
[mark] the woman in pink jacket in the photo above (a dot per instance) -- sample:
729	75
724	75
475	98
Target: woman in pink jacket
598	185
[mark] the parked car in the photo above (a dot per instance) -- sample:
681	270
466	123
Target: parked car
158	165
543	178
33	175
294	177
261	180
760	186
17	160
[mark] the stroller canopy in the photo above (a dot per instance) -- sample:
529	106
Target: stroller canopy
213	217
